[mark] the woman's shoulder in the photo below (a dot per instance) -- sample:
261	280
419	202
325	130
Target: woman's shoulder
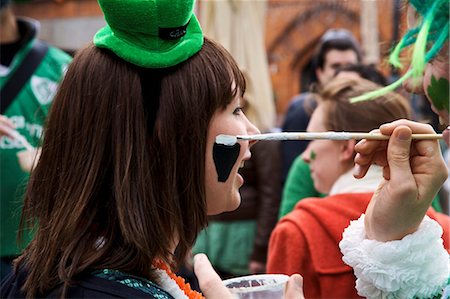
99	284
112	283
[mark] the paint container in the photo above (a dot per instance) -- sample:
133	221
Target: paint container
262	286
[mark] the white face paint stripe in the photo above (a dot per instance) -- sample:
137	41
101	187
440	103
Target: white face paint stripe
226	139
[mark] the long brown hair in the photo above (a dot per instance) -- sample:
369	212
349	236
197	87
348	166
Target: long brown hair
111	191
341	115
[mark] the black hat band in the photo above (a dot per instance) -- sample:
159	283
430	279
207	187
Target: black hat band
173	33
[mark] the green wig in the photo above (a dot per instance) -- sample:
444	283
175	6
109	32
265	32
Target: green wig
428	39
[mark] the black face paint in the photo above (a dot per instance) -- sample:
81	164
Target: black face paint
225	156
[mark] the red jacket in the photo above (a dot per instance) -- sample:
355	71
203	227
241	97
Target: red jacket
306	241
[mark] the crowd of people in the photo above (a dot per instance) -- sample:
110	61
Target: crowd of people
130	185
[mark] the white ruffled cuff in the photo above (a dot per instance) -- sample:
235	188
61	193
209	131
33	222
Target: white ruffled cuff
417	265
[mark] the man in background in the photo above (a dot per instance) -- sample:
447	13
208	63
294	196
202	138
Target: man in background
336	48
30	72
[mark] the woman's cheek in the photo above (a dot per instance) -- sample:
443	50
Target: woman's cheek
436	86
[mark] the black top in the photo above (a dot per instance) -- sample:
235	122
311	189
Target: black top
90	286
296	120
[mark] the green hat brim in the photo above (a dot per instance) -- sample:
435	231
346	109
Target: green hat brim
151	51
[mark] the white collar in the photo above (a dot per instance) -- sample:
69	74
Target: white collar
346	183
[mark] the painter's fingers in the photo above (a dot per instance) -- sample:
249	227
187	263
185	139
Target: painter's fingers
446	134
416	127
210	283
425	148
367	147
399	158
369	152
360	170
377	158
294	287
363	163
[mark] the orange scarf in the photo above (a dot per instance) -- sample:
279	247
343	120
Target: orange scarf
185	287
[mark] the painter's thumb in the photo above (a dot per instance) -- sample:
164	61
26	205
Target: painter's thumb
398	153
446	134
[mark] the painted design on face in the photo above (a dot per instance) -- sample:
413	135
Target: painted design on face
225	156
438	92
312	156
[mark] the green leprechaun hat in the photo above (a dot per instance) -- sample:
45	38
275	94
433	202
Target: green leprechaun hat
150	33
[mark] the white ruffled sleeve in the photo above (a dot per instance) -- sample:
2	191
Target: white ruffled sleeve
415	266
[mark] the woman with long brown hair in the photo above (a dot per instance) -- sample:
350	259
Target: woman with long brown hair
128	171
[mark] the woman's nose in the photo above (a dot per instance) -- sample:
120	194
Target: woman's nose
252	129
306	155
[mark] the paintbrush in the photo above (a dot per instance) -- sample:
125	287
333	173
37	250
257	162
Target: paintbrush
231	140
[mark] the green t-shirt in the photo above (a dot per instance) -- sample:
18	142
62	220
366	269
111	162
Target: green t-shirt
28	112
299	185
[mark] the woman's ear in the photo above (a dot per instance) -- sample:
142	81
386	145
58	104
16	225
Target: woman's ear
347	150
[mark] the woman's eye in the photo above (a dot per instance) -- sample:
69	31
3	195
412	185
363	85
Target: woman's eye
237	111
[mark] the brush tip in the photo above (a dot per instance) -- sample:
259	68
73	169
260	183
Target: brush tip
226	139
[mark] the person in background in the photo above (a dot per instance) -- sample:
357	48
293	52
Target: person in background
360	70
336	48
236	242
306	241
28	82
129	168
413	171
429	70
299	183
